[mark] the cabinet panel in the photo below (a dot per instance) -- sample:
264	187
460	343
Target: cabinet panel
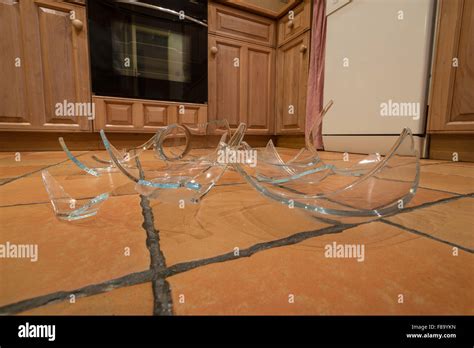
144	116
191	115
463	91
292	78
224	20
13	98
155	116
60	33
119	113
51	88
225	79
62	38
259	111
452	96
241	79
57	62
270	8
300	22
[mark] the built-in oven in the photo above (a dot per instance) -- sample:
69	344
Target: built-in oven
149	49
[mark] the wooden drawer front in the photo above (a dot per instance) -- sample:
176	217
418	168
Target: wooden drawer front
155	115
288	29
192	115
136	115
238	24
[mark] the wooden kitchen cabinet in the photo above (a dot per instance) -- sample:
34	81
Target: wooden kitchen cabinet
291	86
300	21
452	92
14	106
49	40
270	8
241	81
144	116
241	25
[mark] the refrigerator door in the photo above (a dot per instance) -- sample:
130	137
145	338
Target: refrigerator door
377	66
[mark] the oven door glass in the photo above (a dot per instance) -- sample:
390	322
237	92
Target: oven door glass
143	53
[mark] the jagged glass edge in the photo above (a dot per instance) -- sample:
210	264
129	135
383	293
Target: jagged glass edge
161	136
75	160
309	144
388	209
294	163
130	153
235	140
108	147
75	214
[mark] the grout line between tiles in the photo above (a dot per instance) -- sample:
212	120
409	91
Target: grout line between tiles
439	190
423	234
89	290
162	300
150	275
162	304
247	252
36	171
430	204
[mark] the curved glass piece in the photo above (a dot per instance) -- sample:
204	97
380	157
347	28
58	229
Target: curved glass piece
125	155
192	161
306	165
183	142
67	208
385	186
94	172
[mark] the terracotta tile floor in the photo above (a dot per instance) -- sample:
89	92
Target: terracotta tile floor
235	253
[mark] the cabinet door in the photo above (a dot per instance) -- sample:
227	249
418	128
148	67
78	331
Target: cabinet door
14	110
60	34
452	95
292	79
241	84
226	79
258	99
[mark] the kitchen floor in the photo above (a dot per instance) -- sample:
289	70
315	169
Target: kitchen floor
235	253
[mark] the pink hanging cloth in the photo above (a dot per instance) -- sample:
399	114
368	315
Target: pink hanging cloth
314	100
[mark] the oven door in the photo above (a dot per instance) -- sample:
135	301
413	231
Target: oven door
148	51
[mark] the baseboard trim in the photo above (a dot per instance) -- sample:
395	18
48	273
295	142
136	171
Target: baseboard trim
443	147
42	141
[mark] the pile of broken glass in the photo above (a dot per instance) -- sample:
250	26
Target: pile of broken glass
183	162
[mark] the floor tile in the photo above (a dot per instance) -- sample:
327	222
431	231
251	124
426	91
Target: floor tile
448	177
229	217
430	278
29	162
75	182
71	254
132	300
452	221
423	196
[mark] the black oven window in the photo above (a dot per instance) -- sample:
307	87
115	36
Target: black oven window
141	54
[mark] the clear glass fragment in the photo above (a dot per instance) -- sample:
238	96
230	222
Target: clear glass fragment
189	165
375	186
67	208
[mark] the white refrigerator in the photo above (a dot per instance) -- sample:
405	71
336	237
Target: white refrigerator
377	72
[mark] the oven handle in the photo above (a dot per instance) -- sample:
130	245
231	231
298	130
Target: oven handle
162	9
